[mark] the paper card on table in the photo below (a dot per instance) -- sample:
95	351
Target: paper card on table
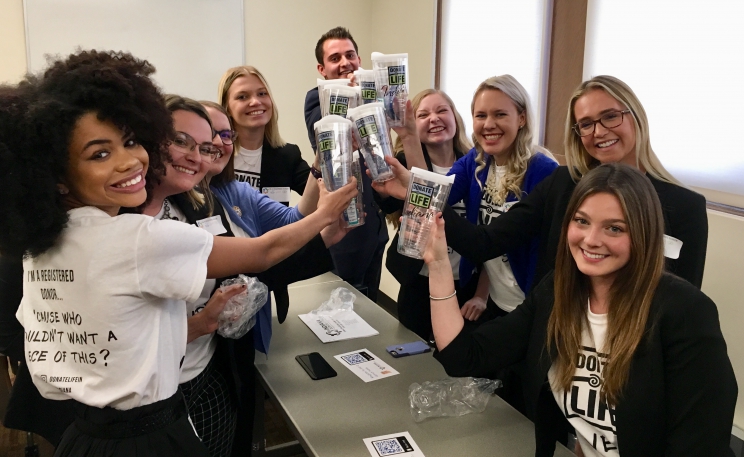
366	365
339	326
393	444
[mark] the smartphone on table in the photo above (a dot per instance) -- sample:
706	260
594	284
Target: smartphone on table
316	366
402	350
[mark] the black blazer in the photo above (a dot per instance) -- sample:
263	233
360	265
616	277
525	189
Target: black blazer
681	391
283	167
542	211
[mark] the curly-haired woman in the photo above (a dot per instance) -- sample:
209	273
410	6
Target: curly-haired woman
103	305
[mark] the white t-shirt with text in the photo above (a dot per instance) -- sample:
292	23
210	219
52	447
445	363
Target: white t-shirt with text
502	285
248	166
103	311
584	406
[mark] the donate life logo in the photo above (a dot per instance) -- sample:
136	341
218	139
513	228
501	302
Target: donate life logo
421	195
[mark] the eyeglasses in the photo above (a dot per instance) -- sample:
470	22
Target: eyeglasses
186	142
227	136
608	120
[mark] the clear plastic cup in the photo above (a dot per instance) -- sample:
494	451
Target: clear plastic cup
333	137
338	99
324	82
358	201
366	81
427	194
391	79
371	131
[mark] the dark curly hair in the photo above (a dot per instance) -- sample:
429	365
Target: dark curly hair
37	118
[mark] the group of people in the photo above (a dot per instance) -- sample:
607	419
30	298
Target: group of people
125	208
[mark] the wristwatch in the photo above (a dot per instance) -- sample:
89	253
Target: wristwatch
315	172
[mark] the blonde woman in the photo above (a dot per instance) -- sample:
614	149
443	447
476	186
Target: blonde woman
262	158
504	166
629	356
606	123
443	139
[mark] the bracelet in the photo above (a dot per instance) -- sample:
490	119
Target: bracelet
444	298
315	172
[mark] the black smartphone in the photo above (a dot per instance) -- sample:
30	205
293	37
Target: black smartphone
316	366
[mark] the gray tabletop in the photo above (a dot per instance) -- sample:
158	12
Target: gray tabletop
331	417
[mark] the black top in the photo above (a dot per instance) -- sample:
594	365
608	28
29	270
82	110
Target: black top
681	391
283	167
542	211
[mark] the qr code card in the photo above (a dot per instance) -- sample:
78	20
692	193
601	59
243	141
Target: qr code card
366	365
394	444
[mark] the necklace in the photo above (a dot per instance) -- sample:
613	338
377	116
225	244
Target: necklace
166	212
492	184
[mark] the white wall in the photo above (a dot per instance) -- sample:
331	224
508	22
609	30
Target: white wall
12	41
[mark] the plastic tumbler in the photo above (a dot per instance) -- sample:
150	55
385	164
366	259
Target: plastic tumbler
338	99
333	137
391	79
371	131
427	194
366	81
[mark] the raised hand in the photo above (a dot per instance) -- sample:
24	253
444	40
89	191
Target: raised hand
396	187
436	249
332	204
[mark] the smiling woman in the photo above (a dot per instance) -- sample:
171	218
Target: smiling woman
613	348
75	143
106	169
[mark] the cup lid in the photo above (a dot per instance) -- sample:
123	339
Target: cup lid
330	120
381	56
434	177
345	90
364	110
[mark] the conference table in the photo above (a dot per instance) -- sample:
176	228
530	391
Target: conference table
331	417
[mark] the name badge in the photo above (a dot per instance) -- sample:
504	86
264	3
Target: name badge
212	225
672	246
278	194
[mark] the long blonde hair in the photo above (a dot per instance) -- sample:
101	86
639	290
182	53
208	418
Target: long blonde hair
271	131
524	147
631	292
460	142
579	161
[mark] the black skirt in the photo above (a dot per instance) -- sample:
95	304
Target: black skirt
158	429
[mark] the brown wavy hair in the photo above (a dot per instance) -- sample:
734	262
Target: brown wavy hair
632	291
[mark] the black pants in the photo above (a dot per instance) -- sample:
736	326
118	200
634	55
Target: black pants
158	429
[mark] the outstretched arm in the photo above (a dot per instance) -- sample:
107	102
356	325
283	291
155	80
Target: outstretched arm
232	256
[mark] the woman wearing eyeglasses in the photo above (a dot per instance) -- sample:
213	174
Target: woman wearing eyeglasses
262	158
215	408
606	123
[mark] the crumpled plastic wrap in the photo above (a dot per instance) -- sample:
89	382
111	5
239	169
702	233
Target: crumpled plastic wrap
450	397
239	314
342	299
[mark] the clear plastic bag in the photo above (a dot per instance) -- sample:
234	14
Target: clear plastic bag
342	299
450	397
239	314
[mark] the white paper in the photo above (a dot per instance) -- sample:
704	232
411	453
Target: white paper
672	246
212	225
393	444
278	194
344	325
366	365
